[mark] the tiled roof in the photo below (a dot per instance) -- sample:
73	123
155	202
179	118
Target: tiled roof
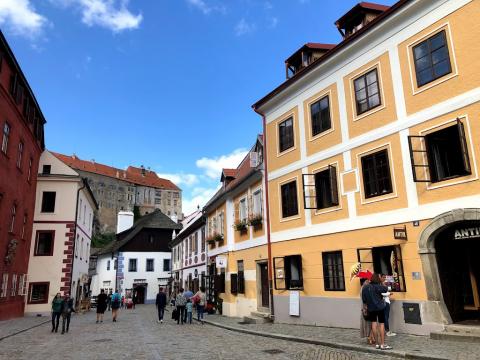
132	174
229	172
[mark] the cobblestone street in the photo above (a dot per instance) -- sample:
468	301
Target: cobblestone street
137	335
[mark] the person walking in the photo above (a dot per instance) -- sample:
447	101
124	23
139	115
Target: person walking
373	300
115	305
122	303
200	302
109	300
161	302
365	324
56	311
189	311
67	309
188	295
102	299
180	302
386	299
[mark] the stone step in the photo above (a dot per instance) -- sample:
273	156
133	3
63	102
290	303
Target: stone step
464	329
257	318
455	336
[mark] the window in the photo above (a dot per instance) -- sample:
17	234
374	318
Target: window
431	58
334	279
320	116
115	264
48	201
132	265
44	243
76	245
20	155
46	169
219	282
166	264
24	224
220	219
243	210
376	174
446	154
285	134
81	249
29	174
234	283
385	260
13	289
257	202
367	93
108	265
12	221
288	272
241	277
38	293
323	193
6	135
289	199
203	239
195	242
3	291
149	266
22	284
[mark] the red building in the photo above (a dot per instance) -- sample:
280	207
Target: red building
21	143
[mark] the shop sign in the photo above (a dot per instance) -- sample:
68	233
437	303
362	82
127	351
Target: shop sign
221	262
400	233
467	233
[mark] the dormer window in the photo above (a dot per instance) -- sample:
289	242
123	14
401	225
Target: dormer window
304	56
358	17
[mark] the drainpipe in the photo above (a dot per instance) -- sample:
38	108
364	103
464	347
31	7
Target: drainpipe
75	234
267	214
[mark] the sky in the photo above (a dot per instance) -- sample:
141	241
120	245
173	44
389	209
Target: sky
167	84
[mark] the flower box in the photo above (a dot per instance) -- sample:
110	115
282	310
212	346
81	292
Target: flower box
240	226
256	221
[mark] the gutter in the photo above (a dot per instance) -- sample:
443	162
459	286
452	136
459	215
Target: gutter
267	213
75	234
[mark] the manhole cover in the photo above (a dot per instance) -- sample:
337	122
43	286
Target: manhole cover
273	351
102	340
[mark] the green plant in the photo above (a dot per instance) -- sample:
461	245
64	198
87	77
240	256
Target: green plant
218	237
211	240
100	240
255	220
240	225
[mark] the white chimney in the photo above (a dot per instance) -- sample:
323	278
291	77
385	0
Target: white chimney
124	221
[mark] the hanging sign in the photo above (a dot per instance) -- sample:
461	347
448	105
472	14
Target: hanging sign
294	303
467	233
221	261
400	233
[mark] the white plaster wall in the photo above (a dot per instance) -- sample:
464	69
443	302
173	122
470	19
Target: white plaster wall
103	274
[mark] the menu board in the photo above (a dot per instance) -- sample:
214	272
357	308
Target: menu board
294	303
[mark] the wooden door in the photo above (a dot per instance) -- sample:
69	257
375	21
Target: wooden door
264	284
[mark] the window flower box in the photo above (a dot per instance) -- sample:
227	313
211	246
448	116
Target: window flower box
241	226
256	221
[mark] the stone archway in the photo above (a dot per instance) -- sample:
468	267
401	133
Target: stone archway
436	309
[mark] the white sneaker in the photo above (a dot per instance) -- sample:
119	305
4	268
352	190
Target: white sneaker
390	333
161	321
158	321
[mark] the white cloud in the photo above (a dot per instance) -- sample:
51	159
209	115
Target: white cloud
243	27
107	14
272	22
205	7
181	178
212	167
199	197
20	17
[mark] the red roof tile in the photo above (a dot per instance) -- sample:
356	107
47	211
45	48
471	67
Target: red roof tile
132	174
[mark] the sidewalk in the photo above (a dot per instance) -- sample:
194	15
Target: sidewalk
404	346
17	325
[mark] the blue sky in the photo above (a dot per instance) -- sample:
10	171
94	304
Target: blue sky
167	84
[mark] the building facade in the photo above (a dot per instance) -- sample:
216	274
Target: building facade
237	254
61	237
122	190
373	163
189	253
21	144
139	259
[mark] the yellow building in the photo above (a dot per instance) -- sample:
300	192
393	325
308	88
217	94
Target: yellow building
372	159
237	238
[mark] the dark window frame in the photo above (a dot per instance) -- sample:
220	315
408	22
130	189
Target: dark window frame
368	95
37	239
282	272
44	207
333	268
428	55
132	268
6	132
167	261
289	199
30	291
320	121
371	176
322	188
286	135
152	267
241	276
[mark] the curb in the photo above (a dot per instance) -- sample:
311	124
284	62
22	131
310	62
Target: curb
23	330
351	347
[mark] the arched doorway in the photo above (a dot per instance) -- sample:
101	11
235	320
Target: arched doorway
448	248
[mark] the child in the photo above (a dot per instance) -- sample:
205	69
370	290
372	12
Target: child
189	308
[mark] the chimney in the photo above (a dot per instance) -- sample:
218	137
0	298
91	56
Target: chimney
124	221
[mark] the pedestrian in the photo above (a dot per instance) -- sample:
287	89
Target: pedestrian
161	302
122	303
386	299
102	299
134	299
373	301
180	302
365	324
56	311
115	305
188	295
109	300
67	309
200	303
189	310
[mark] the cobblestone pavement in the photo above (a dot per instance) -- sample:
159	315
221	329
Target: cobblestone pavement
137	335
13	326
416	345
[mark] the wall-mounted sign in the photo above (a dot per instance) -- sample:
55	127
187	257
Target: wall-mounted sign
467	233
221	262
279	274
294	308
400	233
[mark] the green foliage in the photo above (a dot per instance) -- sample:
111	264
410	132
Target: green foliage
100	240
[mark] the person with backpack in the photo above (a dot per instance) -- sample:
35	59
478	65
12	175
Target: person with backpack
115	305
67	309
199	300
180	302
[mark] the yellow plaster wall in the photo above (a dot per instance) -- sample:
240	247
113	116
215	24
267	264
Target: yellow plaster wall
464	28
251	231
213	213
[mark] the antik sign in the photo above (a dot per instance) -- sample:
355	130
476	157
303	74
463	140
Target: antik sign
467	233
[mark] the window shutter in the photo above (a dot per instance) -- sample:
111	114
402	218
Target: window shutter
236	212
250	206
419	158
309	191
241	282
279	273
233	283
222	282
333	185
216	283
464	147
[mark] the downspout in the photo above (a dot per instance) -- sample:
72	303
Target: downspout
267	214
75	234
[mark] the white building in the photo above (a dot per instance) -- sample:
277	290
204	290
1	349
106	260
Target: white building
138	261
189	253
61	236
